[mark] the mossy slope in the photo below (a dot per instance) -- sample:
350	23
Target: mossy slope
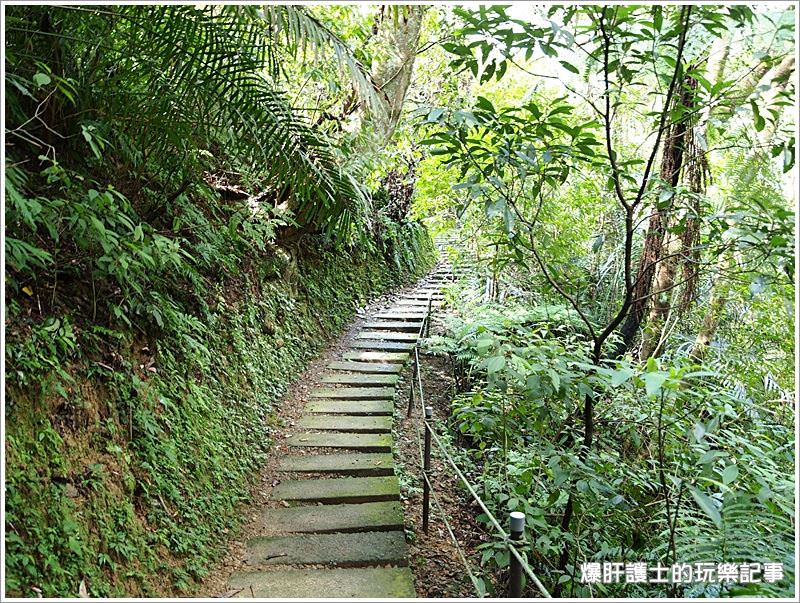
124	469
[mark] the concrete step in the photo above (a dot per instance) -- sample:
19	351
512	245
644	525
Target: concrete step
401	315
387	335
382	346
376	356
366	442
338	490
416	303
362	380
353	463
365	367
349	424
361	549
332	406
354	393
366	583
397	325
322	519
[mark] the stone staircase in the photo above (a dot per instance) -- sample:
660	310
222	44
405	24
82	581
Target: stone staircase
337	527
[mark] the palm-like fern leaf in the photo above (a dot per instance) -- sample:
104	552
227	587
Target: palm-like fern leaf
170	75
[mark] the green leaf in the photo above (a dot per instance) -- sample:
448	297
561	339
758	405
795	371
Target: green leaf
485	104
707	505
699	431
729	474
658	18
757	117
495	363
483	344
435	114
620	376
653	382
41	79
569	67
554	378
665	195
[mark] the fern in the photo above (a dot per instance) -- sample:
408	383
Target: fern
170	79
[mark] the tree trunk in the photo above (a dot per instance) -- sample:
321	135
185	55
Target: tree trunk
396	49
671	162
716	309
663	289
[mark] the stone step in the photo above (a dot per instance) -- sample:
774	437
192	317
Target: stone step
360	549
360	379
338	490
366	583
365	367
322	519
398	315
332	406
397	325
351	424
366	442
364	344
387	335
405	308
376	356
416	303
354	393
354	463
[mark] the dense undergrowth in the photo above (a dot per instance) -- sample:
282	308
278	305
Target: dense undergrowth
688	467
128	448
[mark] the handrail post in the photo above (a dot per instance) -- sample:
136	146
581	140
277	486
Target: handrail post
515	574
428	317
426	468
411	388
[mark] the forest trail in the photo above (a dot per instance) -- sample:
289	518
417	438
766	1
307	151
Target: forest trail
337	527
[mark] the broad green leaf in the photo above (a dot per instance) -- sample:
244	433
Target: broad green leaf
653	382
554	378
620	376
699	431
41	79
707	505
729	474
758	119
435	114
569	67
495	363
483	344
